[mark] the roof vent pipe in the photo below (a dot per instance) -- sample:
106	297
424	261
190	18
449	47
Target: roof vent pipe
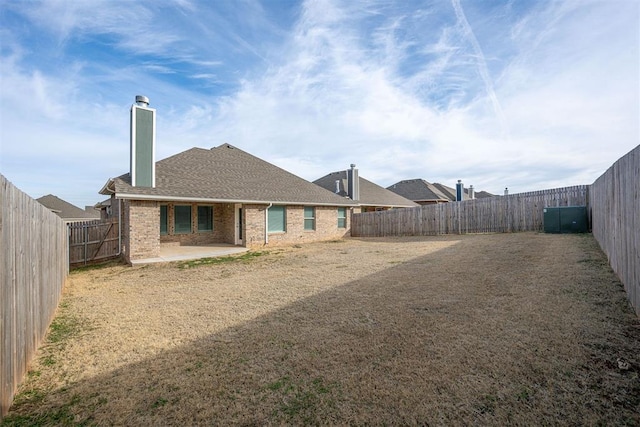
506	191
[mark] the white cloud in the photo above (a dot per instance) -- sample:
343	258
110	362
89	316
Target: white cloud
401	92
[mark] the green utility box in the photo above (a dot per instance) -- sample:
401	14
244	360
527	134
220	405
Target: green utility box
566	219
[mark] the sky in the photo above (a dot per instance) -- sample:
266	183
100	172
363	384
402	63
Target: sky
524	94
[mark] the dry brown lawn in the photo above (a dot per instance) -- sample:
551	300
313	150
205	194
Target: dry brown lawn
521	329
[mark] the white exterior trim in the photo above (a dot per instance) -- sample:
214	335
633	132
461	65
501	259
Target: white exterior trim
206	200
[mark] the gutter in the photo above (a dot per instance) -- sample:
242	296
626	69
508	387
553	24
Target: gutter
108	188
206	200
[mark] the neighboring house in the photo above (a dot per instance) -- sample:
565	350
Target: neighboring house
426	193
67	211
223	195
104	207
369	196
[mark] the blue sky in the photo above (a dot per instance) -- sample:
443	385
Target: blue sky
521	94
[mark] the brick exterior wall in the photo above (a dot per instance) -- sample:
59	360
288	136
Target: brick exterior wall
141	227
223	225
254	225
326	226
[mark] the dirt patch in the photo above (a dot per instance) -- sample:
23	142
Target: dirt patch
487	329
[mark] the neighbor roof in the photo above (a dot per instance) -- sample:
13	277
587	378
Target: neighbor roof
66	210
370	194
419	190
224	174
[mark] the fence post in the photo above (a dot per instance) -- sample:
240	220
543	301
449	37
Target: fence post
85	234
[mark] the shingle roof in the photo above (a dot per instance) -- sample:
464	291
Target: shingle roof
224	174
370	194
66	210
418	190
449	192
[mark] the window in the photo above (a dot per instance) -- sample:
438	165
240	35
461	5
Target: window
342	217
182	219
205	218
164	223
277	219
309	218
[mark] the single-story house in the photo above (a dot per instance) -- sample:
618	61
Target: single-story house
223	195
66	210
369	196
426	193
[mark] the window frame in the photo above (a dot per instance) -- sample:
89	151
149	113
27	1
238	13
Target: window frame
270	221
309	219
210	210
166	220
176	229
342	219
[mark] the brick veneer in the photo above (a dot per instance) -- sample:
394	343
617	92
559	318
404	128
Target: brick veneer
141	227
223	225
326	226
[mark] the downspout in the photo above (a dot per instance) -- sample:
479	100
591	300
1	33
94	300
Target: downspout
266	224
120	218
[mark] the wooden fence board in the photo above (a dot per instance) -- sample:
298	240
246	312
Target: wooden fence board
512	213
93	241
615	211
33	269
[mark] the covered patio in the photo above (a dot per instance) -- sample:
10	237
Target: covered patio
172	252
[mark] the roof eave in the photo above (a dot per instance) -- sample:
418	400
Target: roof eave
108	188
160	198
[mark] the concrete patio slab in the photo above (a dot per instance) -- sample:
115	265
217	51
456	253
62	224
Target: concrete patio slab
169	253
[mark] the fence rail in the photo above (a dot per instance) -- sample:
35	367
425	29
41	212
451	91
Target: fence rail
33	268
91	241
615	207
515	212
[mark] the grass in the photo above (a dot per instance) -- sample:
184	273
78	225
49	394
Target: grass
96	266
514	329
247	256
300	400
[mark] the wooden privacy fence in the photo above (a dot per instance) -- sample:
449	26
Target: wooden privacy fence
33	268
500	214
615	207
91	241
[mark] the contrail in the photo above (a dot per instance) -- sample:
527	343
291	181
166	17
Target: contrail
482	64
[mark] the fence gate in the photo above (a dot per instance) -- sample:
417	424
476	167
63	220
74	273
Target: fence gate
91	241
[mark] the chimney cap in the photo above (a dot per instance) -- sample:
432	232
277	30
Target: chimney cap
353	165
142	100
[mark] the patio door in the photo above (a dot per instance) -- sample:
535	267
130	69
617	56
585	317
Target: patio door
239	227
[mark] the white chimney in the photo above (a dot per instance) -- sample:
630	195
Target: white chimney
143	143
472	194
506	191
